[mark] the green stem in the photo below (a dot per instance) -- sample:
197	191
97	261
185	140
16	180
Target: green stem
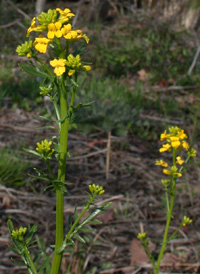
32	269
50	169
45	66
169	217
61	177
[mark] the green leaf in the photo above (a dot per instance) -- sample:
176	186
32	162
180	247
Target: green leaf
31	232
32	152
80	105
10	225
13	250
50	127
74	82
87	230
18	262
79	238
44	118
33	71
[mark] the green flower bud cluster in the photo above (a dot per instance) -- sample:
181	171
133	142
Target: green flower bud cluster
141	236
25	49
46	18
96	189
19	234
75	64
45	90
44	148
186	220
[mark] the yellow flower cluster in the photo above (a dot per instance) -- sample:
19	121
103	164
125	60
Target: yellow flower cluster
19	234
73	63
44	148
57	23
174	140
96	189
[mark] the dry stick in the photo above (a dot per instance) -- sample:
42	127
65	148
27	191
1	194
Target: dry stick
194	61
77	12
19	10
9	24
108	156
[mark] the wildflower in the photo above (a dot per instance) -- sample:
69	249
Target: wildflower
173	172
73	35
44	148
141	236
59	66
179	160
96	189
25	49
164	136
192	152
74	64
34	27
185	145
19	234
182	135
186	220
175	141
161	163
54	29
41	43
165	147
65	15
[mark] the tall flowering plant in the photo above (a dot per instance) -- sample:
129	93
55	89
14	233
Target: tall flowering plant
174	142
52	57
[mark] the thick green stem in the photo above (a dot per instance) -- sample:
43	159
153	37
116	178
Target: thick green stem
31	265
61	177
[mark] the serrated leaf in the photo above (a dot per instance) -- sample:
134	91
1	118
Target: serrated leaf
33	71
79	238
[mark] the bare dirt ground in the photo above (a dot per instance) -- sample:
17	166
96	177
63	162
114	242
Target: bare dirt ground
132	183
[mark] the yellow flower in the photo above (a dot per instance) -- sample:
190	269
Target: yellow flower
164	148
59	66
65	15
73	35
41	43
68	33
161	163
54	29
182	135
175	144
166	171
185	145
96	189
141	236
179	160
164	136
186	220
34	27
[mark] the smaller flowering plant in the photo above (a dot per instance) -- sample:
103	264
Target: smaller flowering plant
174	142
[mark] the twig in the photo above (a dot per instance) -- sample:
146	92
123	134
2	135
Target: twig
77	12
194	61
19	10
9	24
88	155
161	119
